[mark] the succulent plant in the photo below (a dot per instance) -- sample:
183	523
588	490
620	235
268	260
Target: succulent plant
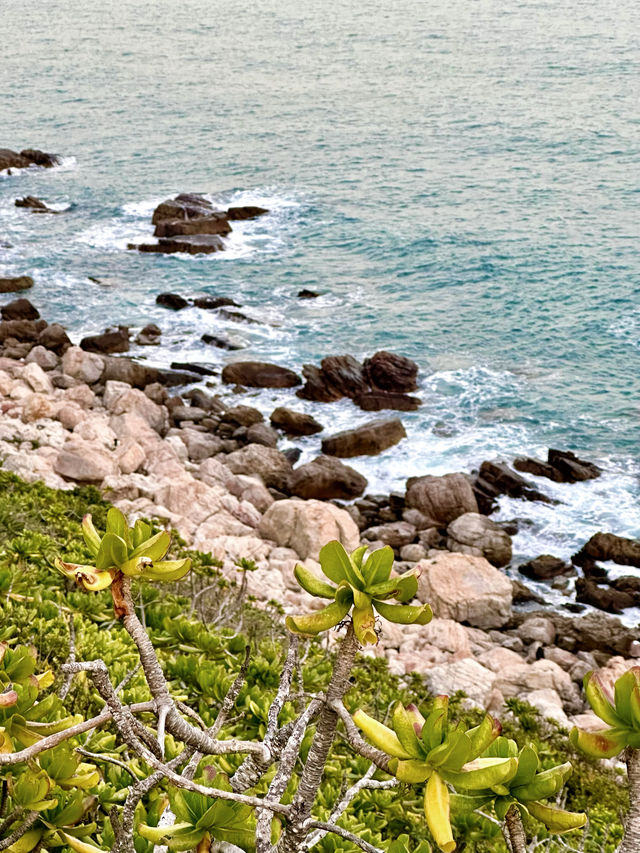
362	585
526	789
428	751
620	711
134	551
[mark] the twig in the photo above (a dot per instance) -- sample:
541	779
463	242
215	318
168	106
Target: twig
360	745
71	657
29	820
343	833
108	759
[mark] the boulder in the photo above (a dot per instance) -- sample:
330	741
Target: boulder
367	440
496	478
572	469
54	338
441	499
259	374
28	157
184	206
542	674
130	456
467	674
242	416
85	366
200	445
544	567
120	398
35	376
529	465
195	244
83	462
465	588
37	157
267	462
607	546
35	205
38	406
221	343
386	371
326	478
316	386
537	629
305	293
602	597
549	705
413	553
306	526
15	284
20	309
378	401
344	374
262	434
294	423
25	331
395	533
210	303
43	357
172	300
113	340
140	375
246	211
214	223
476	534
149	335
591	631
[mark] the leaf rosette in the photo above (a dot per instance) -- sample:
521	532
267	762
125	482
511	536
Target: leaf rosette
361	587
133	551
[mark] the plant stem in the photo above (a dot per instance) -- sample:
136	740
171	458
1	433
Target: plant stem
321	745
631	840
513	831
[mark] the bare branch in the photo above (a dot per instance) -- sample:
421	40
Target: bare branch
108	759
66	684
360	745
343	833
24	827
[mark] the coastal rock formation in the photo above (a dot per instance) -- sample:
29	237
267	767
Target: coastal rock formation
259	374
607	546
194	244
387	371
326	478
496	478
294	423
306	526
367	440
27	157
15	284
544	567
441	499
35	205
562	466
110	341
477	535
377	401
19	309
172	300
246	211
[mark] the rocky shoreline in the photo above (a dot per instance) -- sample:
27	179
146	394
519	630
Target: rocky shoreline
159	445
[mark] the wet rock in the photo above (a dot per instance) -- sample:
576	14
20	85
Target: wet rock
15	284
496	478
467	589
602	597
441	499
607	546
214	223
292	454
54	338
377	401
196	244
34	204
316	387
28	157
221	343
396	534
267	462
194	367
571	468
307	294
40	158
185	206
21	330
338	376
172	300
367	440
242	416
544	567
259	374
472	533
387	371
19	309
528	465
140	375
245	212
149	336
213	302
629	584
236	317
294	423
326	478
306	526
522	594
113	340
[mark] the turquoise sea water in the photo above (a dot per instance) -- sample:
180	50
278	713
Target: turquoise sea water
461	182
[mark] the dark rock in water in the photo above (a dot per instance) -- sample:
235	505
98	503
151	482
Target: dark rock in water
316	387
40	158
212	302
221	343
196	244
259	374
345	374
326	478
307	294
242	416
15	284
28	157
388	371
185	206
34	204
294	423
19	309
246	212
604	598
215	223
544	567
572	469
21	330
377	401
522	594
496	478
172	300
140	375
54	338
199	369
149	335
203	400
367	440
591	569
629	584
113	340
607	546
441	499
292	454
528	465
236	317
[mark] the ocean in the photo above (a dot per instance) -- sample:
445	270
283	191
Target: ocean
459	181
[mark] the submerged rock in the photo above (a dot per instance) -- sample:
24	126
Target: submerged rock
377	401
196	244
34	204
172	300
246	212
